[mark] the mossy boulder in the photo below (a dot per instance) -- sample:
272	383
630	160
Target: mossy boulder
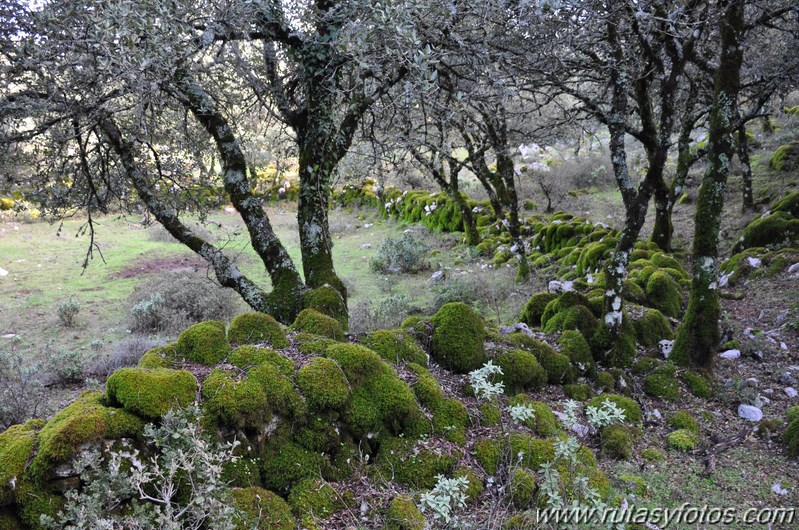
652	455
523	487
260	509
786	157
791	439
284	463
235	401
395	346
579	392
699	385
403	514
450	419
380	401
663	383
474	483
683	440
248	356
312	500
488	453
664	294
328	301
534	308
323	384
150	392
34	502
652	327
617	442
158	357
573	344
578	317
311	344
257	328
426	388
312	321
632	411
458	334
521	371
777	230
281	393
412	464
557	365
615	351
83	421
684	420
16	446
544	422
204	343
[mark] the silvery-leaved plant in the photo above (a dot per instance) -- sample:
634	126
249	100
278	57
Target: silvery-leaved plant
607	414
448	495
521	413
481	381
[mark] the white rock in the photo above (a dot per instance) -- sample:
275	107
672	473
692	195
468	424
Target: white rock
368	225
555	286
793	268
366	246
9	335
778	489
784	346
750	413
656	413
754	262
665	346
581	430
3	272
790	391
731	354
436	277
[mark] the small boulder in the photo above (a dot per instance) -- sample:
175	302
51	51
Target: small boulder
731	354
750	413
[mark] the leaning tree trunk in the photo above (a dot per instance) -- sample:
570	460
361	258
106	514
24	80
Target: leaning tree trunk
506	170
469	224
698	336
747	199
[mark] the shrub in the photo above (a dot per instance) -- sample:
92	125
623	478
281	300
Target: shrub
66	367
458	334
312	321
177	300
387	314
407	254
22	390
204	343
255	328
125	353
683	440
67	311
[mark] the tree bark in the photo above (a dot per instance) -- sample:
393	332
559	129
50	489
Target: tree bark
698	337
747	199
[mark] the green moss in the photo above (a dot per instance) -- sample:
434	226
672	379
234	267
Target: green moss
204	343
645	365
260	509
522	487
653	455
605	381
662	383
578	317
475	483
652	327
395	346
632	412
328	301
150	392
312	500
533	451
683	420
615	351
488	453
578	392
521	371
256	328
617	442
574	345
786	157
319	433
16	446
664	261
490	414
426	387
412	464
791	439
83	421
698	384
284	463
792	413
247	356
557	365
35	502
458	334
544	421
280	391
683	440
450	419
664	294
380	399
778	230
158	357
323	384
403	514
7	520
534	308
235	402
311	344
632	292
312	321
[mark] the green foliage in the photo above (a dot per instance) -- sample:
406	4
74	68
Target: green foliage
328	301
412	464
683	440
488	453
150	392
522	487
312	321
260	509
458	334
475	487
311	344
256	328
664	294
67	312
663	383
632	412
204	343
403	514
323	384
534	308
408	254
652	327
521	371
574	345
395	346
684	420
653	455
617	442
313	499
543	422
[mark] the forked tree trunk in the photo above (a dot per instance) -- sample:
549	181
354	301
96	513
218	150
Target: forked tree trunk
698	337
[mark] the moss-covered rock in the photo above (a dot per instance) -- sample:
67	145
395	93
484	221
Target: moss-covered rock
204	343
699	385
557	365
247	356
574	345
323	384
311	344
664	294
617	442
653	455
663	383
158	357
426	387
328	301
84	421
395	346
534	308
312	321
632	411
490	414
777	230
683	440
403	514
235	401
312	500
580	392
284	463
458	334
150	392
412	464
791	439
523	487
531	452
260	509
380	400
521	371
577	317
257	328
450	419
488	453
684	420
16	446
474	483
645	365
615	351
544	422
652	327
605	381
34	502
281	394
786	157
